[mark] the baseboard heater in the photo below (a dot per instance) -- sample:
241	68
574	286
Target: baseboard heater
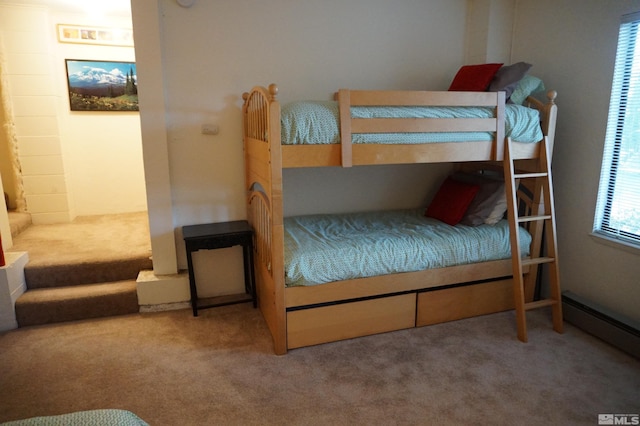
620	332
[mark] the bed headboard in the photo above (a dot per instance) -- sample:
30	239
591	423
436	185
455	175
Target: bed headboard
263	183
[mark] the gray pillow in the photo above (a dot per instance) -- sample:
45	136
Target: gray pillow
489	204
507	78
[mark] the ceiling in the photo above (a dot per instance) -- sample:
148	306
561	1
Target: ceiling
103	7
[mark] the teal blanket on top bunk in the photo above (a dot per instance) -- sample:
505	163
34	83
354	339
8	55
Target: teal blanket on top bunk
316	122
325	248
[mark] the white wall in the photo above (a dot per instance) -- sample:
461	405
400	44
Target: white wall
30	87
73	163
214	51
102	150
572	45
489	31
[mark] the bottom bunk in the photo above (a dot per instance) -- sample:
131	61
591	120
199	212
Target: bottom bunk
324	278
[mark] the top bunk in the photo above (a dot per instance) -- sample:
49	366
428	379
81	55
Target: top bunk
370	127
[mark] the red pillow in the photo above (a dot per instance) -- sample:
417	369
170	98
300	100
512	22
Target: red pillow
451	201
474	78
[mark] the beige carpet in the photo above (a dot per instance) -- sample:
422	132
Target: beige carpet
18	222
218	369
101	237
91	249
83	269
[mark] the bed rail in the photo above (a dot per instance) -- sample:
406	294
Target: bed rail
355	98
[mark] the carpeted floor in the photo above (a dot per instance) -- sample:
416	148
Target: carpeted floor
91	249
171	368
83	269
86	239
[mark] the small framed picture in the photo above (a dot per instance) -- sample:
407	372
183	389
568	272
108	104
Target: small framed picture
95	35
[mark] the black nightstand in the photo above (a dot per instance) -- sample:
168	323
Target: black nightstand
221	235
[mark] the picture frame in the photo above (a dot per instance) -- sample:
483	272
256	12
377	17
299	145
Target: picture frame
96	85
86	34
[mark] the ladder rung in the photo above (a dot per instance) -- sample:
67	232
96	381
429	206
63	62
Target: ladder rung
539	304
537	261
534	218
530	175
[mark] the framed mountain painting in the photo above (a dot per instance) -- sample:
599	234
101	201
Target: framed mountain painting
102	85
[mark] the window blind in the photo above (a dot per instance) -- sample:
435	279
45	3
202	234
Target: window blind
618	207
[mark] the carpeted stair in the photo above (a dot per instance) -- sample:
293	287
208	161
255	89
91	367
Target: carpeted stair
84	269
59	304
18	222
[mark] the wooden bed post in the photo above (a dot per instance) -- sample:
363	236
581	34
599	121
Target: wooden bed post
277	218
263	163
346	149
548	116
500	111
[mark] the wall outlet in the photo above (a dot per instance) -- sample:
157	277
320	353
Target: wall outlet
210	129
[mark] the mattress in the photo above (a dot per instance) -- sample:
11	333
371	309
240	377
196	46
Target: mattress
317	122
325	248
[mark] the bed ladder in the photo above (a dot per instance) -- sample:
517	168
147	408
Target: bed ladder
542	214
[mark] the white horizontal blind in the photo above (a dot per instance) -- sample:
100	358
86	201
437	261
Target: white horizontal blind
618	209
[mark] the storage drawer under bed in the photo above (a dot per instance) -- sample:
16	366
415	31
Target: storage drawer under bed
324	324
449	304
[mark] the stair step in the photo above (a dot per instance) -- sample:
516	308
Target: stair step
72	274
18	222
72	303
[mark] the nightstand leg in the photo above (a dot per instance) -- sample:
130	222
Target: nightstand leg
192	285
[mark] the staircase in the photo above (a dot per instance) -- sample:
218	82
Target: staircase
83	269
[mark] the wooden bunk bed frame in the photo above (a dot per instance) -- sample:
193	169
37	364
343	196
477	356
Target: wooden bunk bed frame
304	316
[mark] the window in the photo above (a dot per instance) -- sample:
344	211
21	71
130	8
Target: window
618	208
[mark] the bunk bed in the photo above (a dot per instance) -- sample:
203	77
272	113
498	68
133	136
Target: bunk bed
342	308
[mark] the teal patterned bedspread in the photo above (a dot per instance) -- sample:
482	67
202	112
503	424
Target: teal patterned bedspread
316	122
110	417
325	248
